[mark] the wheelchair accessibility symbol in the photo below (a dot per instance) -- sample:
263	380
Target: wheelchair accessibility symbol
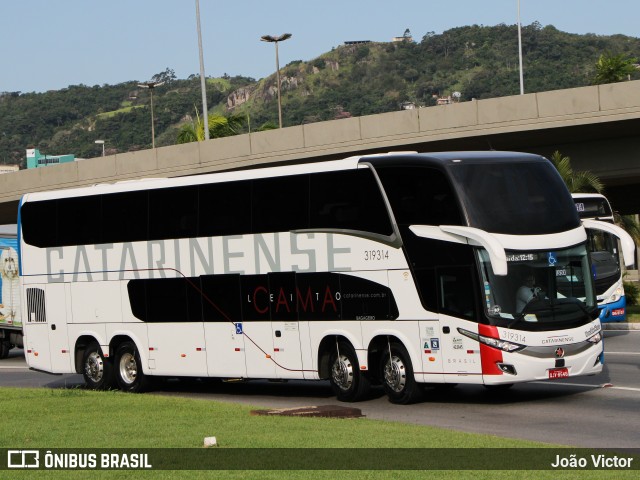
552	259
239	328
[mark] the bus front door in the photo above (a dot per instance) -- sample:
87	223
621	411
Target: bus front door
460	354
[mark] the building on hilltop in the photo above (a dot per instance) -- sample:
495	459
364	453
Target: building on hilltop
406	37
356	42
36	160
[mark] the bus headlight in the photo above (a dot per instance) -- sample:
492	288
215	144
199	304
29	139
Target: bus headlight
616	295
595	339
492	342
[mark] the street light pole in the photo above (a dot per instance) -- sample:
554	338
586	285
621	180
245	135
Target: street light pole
101	142
151	86
520	51
203	80
276	39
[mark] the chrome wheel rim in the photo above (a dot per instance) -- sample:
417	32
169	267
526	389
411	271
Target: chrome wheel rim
395	375
128	368
342	372
94	367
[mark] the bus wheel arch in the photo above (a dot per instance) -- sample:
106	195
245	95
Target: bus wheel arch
338	361
377	347
82	342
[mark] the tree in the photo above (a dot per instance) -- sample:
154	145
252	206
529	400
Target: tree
588	182
168	76
219	126
577	182
267	126
613	68
629	224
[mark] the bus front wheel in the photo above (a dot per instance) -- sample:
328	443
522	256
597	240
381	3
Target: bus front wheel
397	375
348	382
96	370
128	369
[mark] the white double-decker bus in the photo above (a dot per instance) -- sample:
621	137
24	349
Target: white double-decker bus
404	269
610	247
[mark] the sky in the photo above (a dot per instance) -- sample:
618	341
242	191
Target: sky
51	44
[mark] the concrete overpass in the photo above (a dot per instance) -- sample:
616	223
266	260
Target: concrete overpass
598	127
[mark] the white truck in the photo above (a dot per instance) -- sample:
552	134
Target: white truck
10	314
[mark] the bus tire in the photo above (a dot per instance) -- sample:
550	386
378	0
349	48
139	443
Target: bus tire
128	369
397	377
347	381
96	369
5	348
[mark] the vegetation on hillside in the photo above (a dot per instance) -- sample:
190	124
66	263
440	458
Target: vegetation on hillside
351	80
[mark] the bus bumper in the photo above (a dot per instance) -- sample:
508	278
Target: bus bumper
614	312
589	361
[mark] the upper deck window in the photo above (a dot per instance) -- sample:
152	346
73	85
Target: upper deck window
514	198
347	200
420	196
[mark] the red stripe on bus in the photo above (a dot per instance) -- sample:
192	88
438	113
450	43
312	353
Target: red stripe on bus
489	357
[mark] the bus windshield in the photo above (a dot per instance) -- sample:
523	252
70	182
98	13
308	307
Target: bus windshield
543	289
524	198
593	207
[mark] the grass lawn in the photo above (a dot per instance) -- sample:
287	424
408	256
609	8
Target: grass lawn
124	109
76	418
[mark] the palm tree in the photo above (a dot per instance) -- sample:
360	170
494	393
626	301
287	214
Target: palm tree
588	182
267	126
577	182
630	224
613	68
219	126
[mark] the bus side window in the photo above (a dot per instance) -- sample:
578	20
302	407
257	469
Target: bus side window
79	220
455	291
349	200
224	209
125	217
40	223
426	280
420	196
173	212
280	204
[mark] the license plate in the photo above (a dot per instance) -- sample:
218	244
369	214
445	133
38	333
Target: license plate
559	373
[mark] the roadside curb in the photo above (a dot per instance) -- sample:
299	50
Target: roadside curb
620	326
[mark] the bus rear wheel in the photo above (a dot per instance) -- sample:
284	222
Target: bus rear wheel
348	382
397	377
5	348
96	369
128	369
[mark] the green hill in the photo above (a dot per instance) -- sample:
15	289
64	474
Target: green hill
351	80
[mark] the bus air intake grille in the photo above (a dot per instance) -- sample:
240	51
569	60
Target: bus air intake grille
35	306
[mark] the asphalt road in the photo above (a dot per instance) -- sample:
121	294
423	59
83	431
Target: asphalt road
598	411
